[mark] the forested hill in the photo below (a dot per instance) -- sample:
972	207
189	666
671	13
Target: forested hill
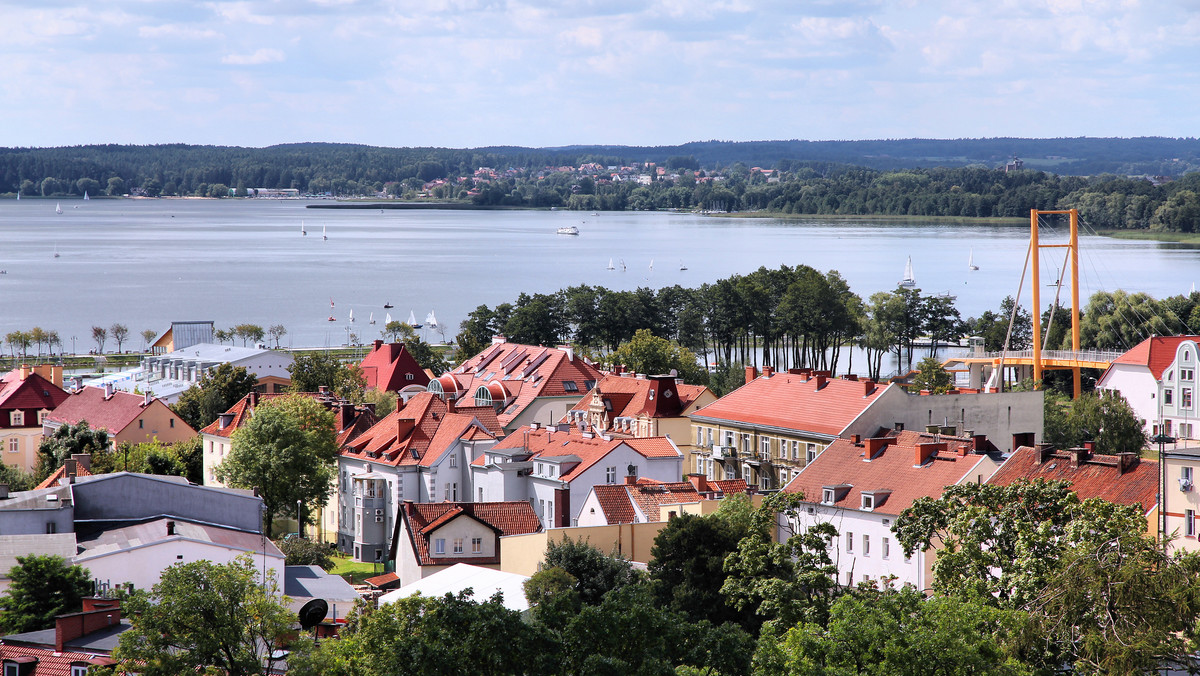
302	165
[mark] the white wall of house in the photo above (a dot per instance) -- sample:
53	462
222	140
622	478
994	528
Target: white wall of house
216	448
591	513
865	549
462	528
143	565
1139	388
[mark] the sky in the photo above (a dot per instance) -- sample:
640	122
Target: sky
471	73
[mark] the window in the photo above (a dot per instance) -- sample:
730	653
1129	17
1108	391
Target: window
454	492
42	416
589	384
1185	397
849	542
610	475
810	453
795	450
481	493
14	444
408	376
1185	473
765	447
476	545
868	501
51	528
542	509
887	547
458	545
141	424
699	436
570	386
550	511
539	469
172	423
17	418
1189	523
79	669
1187	374
827	496
866	545
378	554
439	546
1168	396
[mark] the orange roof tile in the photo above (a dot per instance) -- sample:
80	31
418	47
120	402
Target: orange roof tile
1155	353
630	396
113	414
50	662
547	443
388	366
817	405
419	432
1097	477
424	518
32	394
615	502
892	469
61	472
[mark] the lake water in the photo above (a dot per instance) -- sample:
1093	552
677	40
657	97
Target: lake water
145	263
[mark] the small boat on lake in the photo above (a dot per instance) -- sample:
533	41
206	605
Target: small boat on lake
682	266
412	320
610	265
351	314
371	319
323	235
568	230
58	208
388	306
971	261
302	230
908	280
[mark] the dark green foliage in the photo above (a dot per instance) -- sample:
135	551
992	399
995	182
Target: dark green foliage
1103	417
16	478
66	441
185	459
315	369
595	572
687	570
214	394
932	377
42	587
305	552
649	354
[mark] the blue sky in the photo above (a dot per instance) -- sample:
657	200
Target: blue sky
463	73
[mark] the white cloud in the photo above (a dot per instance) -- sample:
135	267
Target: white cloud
258	57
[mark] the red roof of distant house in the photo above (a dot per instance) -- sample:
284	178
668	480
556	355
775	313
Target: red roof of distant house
424	518
1155	353
349	425
60	473
49	662
891	469
544	442
389	367
1097	477
420	431
385	581
629	396
518	374
801	402
113	413
619	500
33	393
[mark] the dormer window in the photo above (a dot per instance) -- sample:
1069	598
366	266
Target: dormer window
872	500
570	386
831	494
17	418
828	495
868	501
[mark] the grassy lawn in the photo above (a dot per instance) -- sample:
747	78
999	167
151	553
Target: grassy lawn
354	571
1180	237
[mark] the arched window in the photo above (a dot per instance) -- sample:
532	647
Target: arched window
483	397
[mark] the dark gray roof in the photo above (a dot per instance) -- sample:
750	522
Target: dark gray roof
100	641
301	582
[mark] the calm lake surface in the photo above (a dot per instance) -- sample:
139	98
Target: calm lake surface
145	263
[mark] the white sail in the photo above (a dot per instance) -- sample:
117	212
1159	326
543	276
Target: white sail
651	263
371	319
412	320
971	261
351	314
302	231
431	320
909	279
323	235
58	208
610	265
388	319
85	196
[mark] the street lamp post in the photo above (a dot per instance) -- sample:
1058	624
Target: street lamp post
299	521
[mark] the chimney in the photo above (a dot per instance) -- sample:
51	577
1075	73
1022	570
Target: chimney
1126	462
70	470
925	451
534	425
1090	446
3	491
83	460
751	374
821	380
146	400
630	479
1078	455
1022	439
875	445
569	350
498	339
856	440
376	344
170	528
979	442
853	377
404	426
97	614
322	389
899	426
252	401
1044	451
618	369
108	391
868	388
450	405
25	371
699	482
224	420
768	371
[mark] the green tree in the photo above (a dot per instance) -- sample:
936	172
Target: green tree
116	186
40	588
305	552
276	331
18	342
66	441
932	377
204	617
148	337
595	572
385	402
311	370
443	636
649	354
38	335
154	457
16	478
287	451
119	333
213	394
1102	416
252	333
899	632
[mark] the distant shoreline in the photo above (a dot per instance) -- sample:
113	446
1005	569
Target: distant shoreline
444	206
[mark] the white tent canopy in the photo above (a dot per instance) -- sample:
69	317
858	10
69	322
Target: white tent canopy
483	582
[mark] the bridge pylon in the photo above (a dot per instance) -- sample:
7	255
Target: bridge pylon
1072	246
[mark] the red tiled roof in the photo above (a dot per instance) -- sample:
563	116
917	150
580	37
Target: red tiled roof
385	581
730	485
1154	353
31	395
49	662
61	472
242	409
525	372
631	397
543	443
1097	477
428	430
424	518
794	402
113	414
388	366
615	502
892	468
618	500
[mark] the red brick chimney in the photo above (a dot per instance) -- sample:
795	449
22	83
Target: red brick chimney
876	444
1126	462
376	344
925	451
821	380
751	374
868	387
97	614
699	482
768	371
403	427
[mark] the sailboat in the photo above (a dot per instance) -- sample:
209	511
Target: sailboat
302	230
56	249
610	265
352	314
331	318
971	261
388	319
622	265
412	320
908	279
651	263
85	196
323	235
431	320
371	319
331	302
58	208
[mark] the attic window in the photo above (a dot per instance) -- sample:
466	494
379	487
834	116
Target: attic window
589	384
570	386
608	404
828	496
868	501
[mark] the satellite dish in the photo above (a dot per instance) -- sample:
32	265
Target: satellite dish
313	613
